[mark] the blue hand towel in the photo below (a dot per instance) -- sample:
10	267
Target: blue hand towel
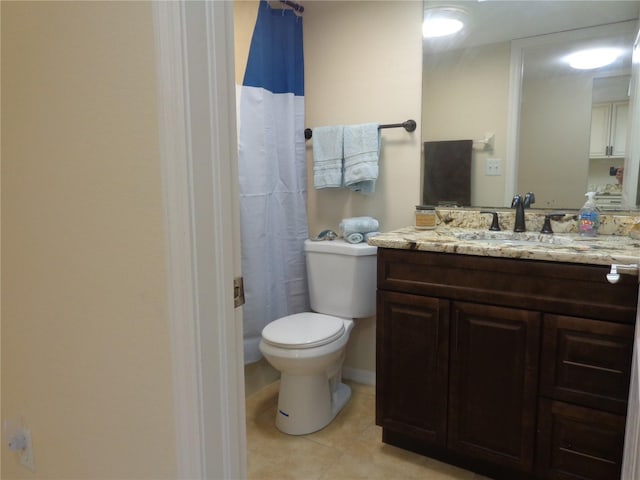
327	156
361	154
358	225
354	238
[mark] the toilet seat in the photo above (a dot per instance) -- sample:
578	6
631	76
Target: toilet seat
303	330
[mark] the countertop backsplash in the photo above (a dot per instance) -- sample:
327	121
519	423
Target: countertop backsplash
610	223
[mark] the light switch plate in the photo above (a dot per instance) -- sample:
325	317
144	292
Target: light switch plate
494	167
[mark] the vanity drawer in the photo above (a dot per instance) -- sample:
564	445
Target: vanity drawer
561	288
578	443
587	362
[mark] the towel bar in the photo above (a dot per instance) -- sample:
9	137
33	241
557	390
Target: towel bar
409	126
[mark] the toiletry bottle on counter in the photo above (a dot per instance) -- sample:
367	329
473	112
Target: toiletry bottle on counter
425	217
589	217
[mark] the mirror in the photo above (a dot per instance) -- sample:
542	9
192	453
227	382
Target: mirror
503	85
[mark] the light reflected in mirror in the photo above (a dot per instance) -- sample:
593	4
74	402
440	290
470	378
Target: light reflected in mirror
542	129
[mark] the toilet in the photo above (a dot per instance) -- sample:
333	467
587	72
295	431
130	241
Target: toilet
309	348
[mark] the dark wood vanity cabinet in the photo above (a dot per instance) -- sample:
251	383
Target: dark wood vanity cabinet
493	383
584	384
513	368
417	344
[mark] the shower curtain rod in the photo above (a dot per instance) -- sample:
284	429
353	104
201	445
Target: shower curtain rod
296	6
409	126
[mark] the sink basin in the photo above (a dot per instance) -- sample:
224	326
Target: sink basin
513	238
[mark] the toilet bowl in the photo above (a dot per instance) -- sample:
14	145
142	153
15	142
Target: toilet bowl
309	348
311	392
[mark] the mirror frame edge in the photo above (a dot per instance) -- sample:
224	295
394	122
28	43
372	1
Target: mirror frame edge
630	190
513	121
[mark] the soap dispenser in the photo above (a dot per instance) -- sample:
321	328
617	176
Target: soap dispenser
589	217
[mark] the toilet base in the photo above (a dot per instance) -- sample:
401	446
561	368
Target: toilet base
340	398
306	403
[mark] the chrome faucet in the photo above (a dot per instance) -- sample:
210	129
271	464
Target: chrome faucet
519	204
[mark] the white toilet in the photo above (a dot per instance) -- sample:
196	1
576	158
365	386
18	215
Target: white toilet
309	348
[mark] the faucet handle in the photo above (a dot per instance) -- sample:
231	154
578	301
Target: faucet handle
495	225
529	198
546	228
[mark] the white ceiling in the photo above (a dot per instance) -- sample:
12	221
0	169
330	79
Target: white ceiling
494	21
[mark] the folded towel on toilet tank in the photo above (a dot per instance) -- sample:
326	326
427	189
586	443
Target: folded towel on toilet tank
358	225
355	237
367	236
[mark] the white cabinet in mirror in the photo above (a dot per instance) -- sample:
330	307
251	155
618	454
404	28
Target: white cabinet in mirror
609	129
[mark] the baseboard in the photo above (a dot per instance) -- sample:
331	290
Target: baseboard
366	377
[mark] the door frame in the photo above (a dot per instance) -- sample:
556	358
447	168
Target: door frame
198	149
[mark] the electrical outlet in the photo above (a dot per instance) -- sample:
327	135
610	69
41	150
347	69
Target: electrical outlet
494	167
18	439
26	454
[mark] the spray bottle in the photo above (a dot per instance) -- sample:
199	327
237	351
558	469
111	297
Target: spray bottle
589	217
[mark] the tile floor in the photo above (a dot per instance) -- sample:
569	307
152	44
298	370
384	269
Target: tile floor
348	448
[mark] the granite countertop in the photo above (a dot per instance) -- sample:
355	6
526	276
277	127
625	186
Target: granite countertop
559	247
466	231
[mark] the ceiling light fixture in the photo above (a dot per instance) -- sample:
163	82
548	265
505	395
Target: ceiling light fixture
594	58
443	21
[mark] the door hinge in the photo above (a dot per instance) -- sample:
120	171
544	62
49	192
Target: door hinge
238	292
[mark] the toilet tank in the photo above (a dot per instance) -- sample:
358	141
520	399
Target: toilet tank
342	278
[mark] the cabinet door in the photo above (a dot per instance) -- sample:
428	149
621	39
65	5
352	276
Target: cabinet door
493	385
619	117
587	362
578	443
412	357
608	130
600	128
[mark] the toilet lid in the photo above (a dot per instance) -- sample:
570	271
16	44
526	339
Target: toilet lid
303	330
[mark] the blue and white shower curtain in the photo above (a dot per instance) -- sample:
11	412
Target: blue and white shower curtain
273	175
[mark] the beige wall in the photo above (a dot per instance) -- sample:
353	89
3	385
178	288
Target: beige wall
244	19
363	63
85	335
465	95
